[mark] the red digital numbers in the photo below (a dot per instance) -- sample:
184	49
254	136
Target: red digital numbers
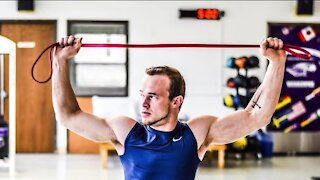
208	14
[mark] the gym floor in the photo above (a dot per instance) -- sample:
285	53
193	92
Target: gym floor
67	167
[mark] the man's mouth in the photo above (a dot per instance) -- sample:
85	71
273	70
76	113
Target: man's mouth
145	113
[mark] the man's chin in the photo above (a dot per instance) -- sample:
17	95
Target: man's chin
145	122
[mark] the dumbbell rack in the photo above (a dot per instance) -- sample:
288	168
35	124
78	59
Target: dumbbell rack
246	89
249	91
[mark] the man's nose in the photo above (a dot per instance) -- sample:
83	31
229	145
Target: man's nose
145	103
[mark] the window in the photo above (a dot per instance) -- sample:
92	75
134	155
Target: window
100	71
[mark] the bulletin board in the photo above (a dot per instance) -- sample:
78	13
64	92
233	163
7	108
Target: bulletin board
298	109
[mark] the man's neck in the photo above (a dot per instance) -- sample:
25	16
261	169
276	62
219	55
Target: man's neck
167	126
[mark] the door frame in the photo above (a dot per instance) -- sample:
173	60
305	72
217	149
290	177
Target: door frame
26	21
11	50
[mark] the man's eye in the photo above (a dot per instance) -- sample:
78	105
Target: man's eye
152	97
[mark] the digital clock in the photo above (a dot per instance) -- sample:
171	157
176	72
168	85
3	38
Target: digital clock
202	14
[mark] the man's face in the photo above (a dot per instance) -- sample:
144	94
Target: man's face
155	103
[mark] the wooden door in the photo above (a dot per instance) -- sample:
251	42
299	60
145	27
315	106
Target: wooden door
35	124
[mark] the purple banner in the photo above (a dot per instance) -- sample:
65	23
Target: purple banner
299	105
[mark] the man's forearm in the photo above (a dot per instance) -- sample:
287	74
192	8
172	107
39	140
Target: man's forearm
64	101
264	101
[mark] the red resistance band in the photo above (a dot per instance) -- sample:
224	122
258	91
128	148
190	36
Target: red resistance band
287	47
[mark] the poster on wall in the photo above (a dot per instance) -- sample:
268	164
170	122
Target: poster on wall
298	109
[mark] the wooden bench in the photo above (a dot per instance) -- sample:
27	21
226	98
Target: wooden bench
221	153
105	147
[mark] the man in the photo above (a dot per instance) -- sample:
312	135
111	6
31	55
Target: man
163	148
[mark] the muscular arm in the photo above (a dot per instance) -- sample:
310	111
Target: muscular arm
262	105
256	115
223	130
68	112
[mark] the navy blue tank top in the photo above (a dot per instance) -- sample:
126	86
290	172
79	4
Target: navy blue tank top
156	155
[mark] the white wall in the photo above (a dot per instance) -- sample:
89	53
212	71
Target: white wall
245	22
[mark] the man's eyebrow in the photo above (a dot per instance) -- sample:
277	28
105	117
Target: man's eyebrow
150	93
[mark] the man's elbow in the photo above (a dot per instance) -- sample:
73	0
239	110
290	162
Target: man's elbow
265	121
65	117
63	120
261	120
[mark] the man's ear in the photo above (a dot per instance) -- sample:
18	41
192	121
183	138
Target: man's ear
177	101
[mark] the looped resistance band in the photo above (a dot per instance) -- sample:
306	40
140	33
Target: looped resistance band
287	47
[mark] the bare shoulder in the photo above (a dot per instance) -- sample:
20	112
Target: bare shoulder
200	127
123	120
121	126
201	122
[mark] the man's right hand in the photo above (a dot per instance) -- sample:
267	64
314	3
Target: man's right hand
68	47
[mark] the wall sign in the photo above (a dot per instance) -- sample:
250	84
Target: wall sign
298	109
